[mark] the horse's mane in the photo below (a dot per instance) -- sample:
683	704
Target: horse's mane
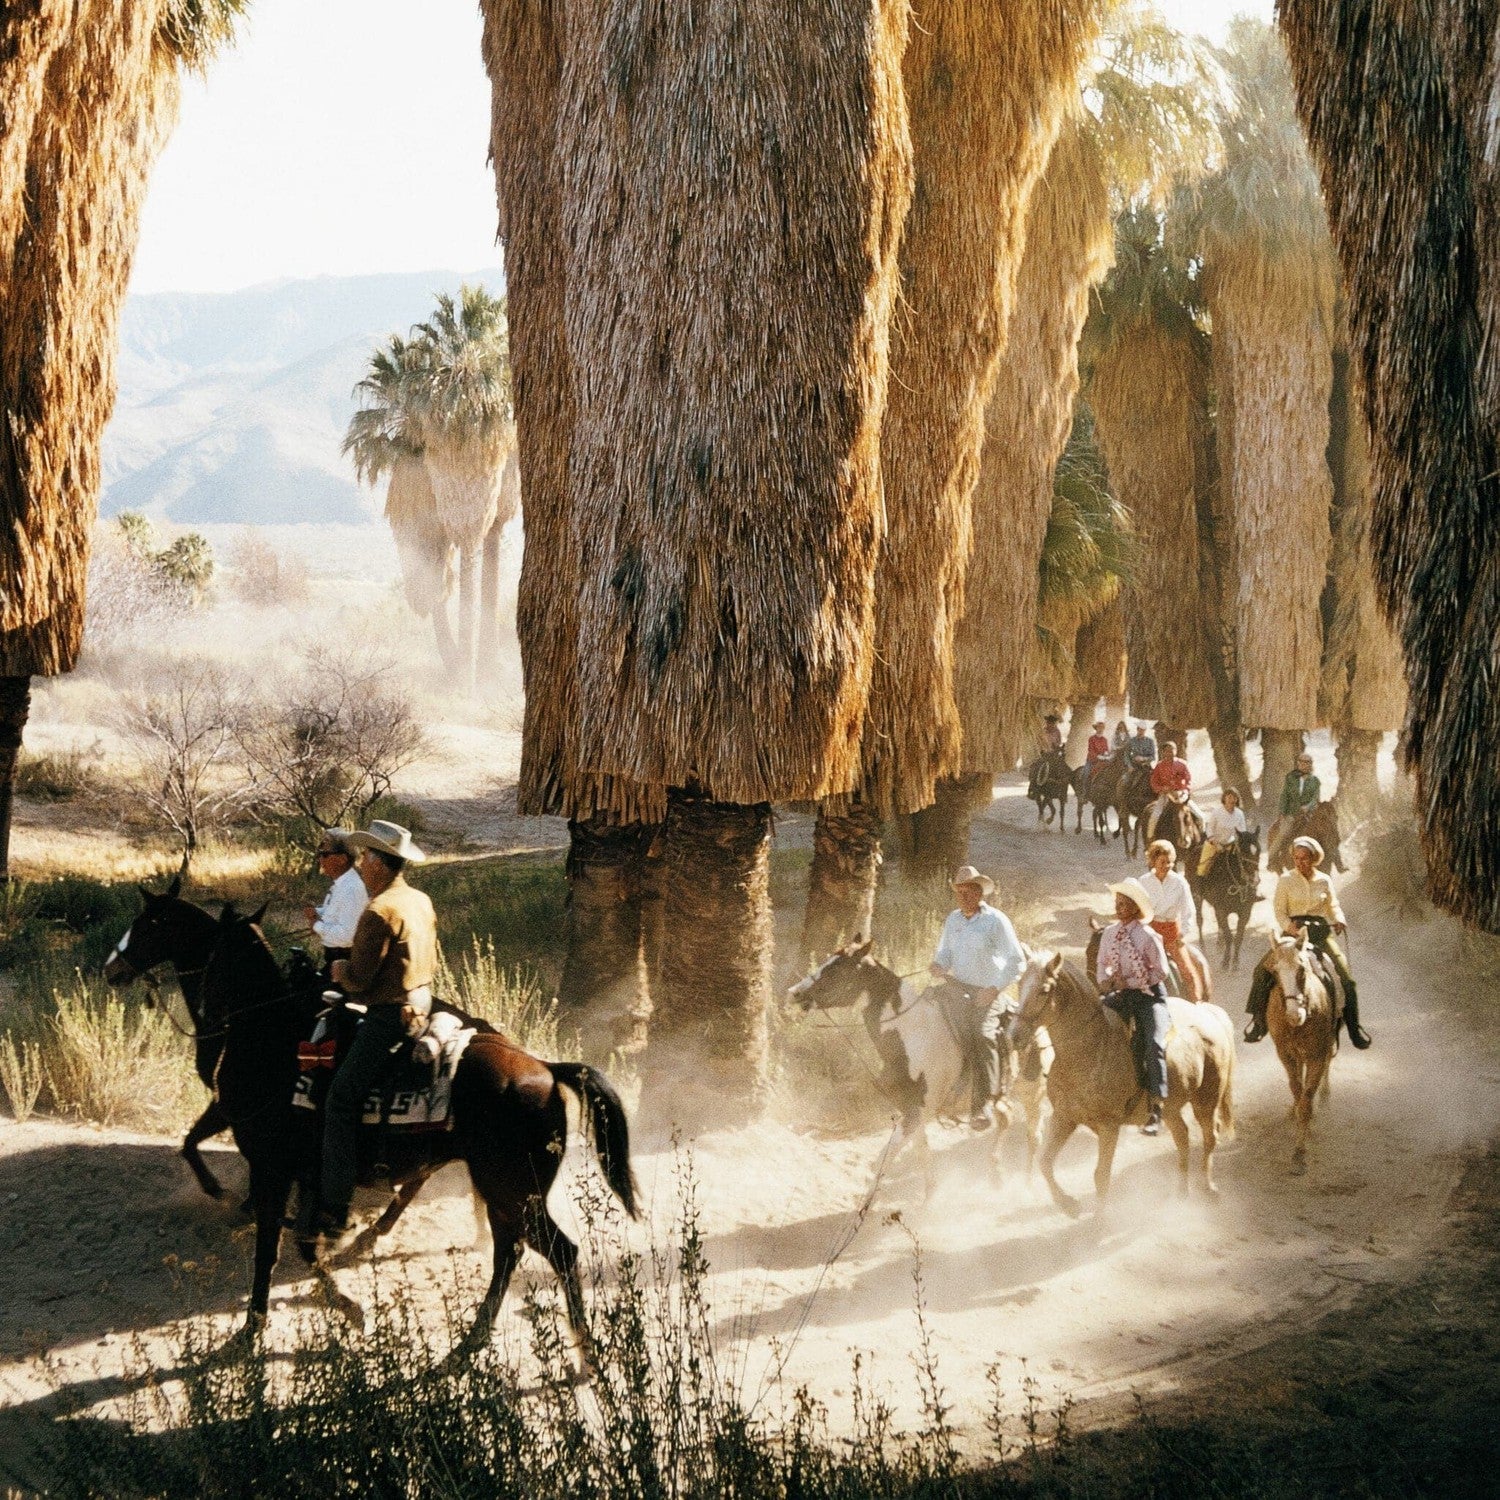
242	961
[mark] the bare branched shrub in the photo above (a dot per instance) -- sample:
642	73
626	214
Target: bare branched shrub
185	729
129	600
263	575
325	745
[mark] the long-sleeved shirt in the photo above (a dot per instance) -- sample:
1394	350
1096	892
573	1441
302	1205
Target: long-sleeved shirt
1171	776
395	946
1297	896
342	907
1220	826
982	950
1140	747
1172	899
1299	791
1131	957
1098	746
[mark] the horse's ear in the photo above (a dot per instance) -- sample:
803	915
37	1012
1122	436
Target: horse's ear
1095	925
147	897
258	916
175	889
1054	965
861	950
227	914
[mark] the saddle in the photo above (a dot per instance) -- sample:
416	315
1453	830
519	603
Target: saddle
417	1094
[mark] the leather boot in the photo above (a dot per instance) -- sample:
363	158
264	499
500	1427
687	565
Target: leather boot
1153	1119
1255	1007
1357	1034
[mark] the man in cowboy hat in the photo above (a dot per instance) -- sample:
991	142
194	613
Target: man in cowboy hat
336	919
978	955
1098	747
1131	973
391	965
1305	891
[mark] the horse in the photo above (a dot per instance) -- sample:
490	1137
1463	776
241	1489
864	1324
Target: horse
923	1062
1103	789
509	1129
1092	1081
1048	787
1080	779
1320	823
1231	888
1303	1020
177	933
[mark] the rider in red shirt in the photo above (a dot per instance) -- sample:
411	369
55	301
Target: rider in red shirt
1168	776
1098	743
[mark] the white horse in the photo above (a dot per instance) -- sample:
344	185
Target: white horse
923	1060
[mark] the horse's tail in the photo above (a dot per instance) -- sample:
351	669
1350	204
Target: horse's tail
607	1127
1226	1103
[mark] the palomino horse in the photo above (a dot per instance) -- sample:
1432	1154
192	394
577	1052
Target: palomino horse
1092	1081
1303	1023
509	1126
922	1060
1231	888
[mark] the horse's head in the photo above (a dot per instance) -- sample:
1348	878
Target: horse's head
1249	843
156	937
242	972
840	980
1290	962
1036	990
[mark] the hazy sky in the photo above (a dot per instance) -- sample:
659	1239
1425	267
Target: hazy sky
347	136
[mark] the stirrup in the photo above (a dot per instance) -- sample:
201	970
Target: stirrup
1255	1031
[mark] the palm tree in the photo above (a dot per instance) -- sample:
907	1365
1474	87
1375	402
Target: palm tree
90	96
1391	103
1269	275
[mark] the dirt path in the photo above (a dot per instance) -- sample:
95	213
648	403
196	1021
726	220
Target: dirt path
105	1237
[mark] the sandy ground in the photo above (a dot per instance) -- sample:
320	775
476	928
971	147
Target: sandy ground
106	1238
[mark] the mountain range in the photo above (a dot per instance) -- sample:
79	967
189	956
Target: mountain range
232	406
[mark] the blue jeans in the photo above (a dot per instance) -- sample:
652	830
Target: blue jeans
364	1066
1148	1008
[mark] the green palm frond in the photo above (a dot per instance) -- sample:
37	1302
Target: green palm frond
466	385
193	31
1090	548
388	424
1154	281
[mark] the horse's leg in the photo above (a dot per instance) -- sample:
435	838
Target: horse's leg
269	1191
507	1236
401	1199
1172	1114
1060	1129
1104	1164
210	1123
544	1235
1206	1112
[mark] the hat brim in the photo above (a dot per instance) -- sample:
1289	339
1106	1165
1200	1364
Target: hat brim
1135	895
985	884
410	853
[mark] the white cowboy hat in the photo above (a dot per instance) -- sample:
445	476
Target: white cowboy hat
389	838
1312	846
968	875
1134	891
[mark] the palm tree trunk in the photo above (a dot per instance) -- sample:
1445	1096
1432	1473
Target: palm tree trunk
488	646
442	630
705	1062
1080	727
1359	785
1228	741
935	841
841	882
1279	751
15	707
603	981
468	614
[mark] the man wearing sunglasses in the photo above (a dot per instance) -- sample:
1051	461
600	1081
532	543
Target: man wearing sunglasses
335	920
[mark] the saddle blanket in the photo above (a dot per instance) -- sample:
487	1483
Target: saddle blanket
418	1096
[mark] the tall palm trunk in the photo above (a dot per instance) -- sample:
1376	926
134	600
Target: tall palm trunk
15	706
841	882
707	1054
1228	741
1279	750
934	842
603	982
1080	727
447	646
468	614
487	646
1359	785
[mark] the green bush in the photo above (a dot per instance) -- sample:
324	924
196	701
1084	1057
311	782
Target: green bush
513	906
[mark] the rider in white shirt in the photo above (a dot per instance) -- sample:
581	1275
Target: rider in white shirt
336	919
1222	825
1172	907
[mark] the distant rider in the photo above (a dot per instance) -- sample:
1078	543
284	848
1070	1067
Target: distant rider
1098	748
1052	735
1170	777
1300	791
1172	905
390	966
1221	830
1304	891
979	955
1131	974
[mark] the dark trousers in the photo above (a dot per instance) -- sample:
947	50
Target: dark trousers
366	1064
1264	981
977	1027
1148	1009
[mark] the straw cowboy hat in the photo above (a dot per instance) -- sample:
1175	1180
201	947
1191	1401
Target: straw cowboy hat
388	838
1133	890
1312	846
968	875
1098	723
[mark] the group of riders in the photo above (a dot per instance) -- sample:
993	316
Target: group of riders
979	955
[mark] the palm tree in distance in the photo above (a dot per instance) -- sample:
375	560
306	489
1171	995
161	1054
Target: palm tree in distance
435	417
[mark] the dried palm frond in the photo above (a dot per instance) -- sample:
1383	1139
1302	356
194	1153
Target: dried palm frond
980	143
1026	429
1398	108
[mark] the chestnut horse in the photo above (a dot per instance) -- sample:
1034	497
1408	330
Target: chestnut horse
509	1126
1092	1081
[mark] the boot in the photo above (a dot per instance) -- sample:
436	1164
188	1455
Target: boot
1357	1034
1255	1007
1153	1118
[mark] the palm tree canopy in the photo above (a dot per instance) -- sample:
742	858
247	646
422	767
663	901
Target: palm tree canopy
386	428
1153	283
464	385
192	31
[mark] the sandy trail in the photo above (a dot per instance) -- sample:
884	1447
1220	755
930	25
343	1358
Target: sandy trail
1134	1298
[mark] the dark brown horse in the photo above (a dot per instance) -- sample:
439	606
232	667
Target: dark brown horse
509	1125
1320	822
1231	888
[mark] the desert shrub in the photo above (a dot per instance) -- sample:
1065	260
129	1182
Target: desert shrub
324	746
265	576
129	602
22	1074
59	775
512	1000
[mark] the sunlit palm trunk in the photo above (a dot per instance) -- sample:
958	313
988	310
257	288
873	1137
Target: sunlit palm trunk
468	615
1359	786
1279	751
487	646
603	982
447	646
1080	727
706	1058
841	882
935	841
1228	741
15	706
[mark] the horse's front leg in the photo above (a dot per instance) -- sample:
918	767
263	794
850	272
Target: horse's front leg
269	1191
1104	1163
210	1123
364	1241
1060	1130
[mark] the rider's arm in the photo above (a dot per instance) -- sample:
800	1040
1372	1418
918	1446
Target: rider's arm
1007	950
372	941
1335	911
1289	804
942	959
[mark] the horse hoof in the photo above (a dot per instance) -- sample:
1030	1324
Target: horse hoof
1070	1206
